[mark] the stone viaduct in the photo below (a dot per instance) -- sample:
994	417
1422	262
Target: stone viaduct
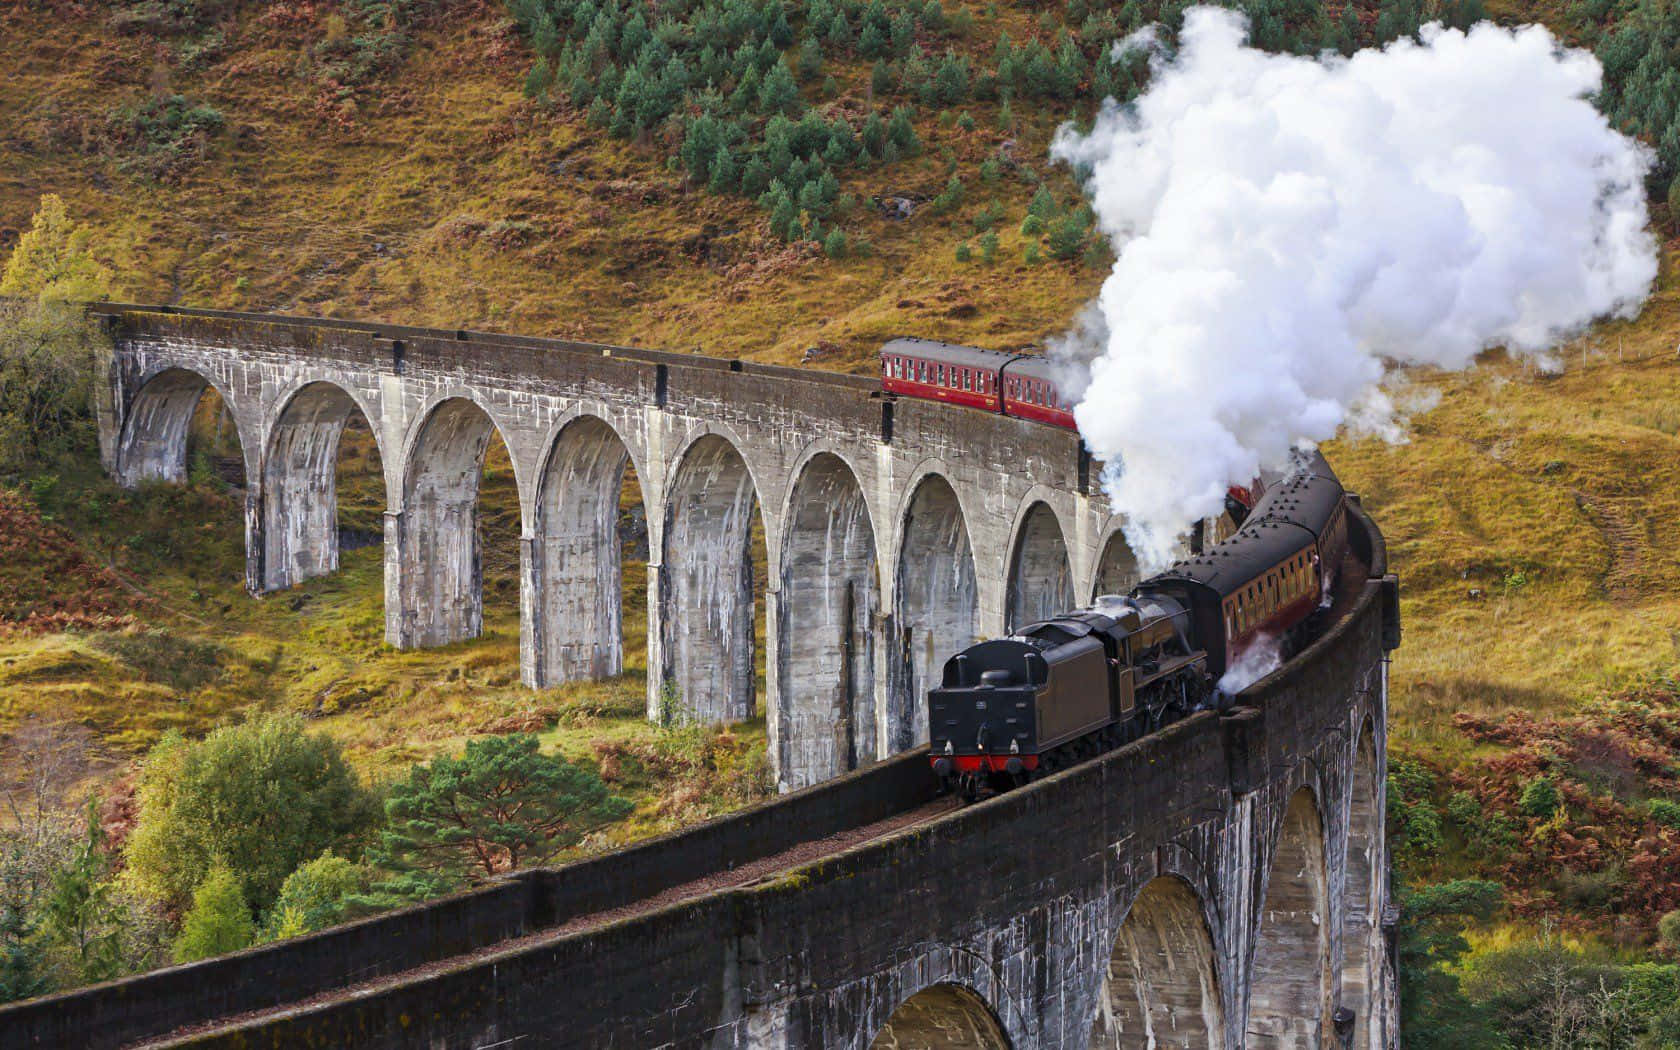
1221	883
897	532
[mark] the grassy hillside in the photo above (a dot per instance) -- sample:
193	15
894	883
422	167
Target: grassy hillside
425	163
436	193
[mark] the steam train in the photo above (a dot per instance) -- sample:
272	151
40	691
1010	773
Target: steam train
1019	385
1064	689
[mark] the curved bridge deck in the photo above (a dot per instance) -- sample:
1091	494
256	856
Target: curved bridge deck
1220	882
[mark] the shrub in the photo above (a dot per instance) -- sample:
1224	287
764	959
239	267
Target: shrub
834	246
1668	931
1665	812
219	920
1067	235
1412	818
988	246
318	894
260	798
951	197
162	136
963	252
1539	799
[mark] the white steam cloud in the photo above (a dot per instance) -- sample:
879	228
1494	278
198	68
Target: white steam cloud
1288	227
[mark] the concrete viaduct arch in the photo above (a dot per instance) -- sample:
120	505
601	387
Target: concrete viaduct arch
897	531
1217	883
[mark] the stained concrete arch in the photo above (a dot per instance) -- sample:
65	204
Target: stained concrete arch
936	604
300	484
1161	989
440	568
829	599
1117	567
706	584
1040	574
942	1017
1289	982
153	444
1362	942
575	615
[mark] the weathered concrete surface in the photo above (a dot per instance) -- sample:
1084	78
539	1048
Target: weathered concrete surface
896	532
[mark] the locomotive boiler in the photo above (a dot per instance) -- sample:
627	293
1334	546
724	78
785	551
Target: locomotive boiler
1067	688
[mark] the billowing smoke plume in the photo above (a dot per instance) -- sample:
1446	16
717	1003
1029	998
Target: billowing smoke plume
1287	227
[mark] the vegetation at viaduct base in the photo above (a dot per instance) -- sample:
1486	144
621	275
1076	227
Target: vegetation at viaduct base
764	179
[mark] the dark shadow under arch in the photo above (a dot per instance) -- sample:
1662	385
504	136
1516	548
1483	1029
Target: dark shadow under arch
1040	576
1117	568
1161	988
1289	980
441	576
936	610
1362	944
830	593
577	574
706	586
943	1017
300	484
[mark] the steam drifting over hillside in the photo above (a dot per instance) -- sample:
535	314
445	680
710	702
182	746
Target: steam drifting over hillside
1287	228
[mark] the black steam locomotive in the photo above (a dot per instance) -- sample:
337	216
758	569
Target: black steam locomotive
1064	689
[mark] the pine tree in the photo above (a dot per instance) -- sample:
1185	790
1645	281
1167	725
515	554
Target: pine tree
842	146
723	177
82	913
834	245
838	35
950	83
499	806
219	921
874	135
538	79
810	197
903	32
779	93
1349	32
781	34
988	247
810	59
872	43
1066	239
700	145
828	188
745	97
755	177
902	132
1043	204
52	260
783	214
880	79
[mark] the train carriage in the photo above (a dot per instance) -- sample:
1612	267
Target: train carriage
960	375
1030	391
